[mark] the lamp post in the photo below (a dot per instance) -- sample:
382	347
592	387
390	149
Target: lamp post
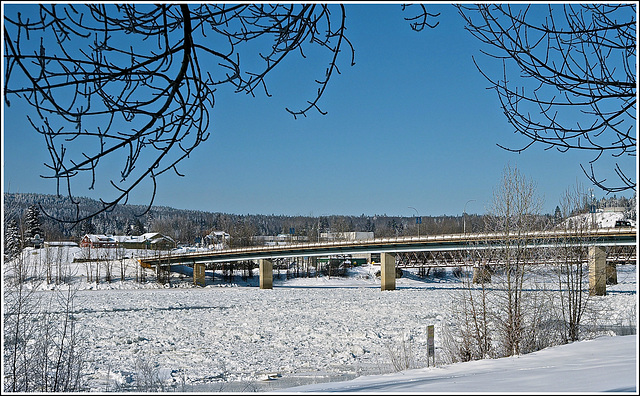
329	232
464	216
418	219
592	209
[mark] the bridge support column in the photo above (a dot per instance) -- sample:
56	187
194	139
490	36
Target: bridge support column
266	274
597	271
387	271
198	274
313	261
163	274
612	274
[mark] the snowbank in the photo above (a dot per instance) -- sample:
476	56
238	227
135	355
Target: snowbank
605	364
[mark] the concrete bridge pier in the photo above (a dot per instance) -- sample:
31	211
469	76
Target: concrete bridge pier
597	271
387	271
266	274
198	274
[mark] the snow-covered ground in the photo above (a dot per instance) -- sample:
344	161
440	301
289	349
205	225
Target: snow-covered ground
312	331
602	218
605	364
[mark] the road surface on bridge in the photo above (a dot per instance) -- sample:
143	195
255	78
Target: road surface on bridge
449	242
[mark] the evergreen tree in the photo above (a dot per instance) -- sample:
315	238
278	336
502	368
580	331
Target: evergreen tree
87	227
558	214
12	245
137	228
33	226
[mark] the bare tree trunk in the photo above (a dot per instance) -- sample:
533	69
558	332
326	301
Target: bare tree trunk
41	344
497	319
572	274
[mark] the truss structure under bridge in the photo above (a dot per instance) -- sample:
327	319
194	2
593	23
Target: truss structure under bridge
465	258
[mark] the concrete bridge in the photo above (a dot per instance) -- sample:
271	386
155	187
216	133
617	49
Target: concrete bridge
603	245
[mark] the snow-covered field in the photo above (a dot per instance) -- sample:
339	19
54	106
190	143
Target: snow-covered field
305	331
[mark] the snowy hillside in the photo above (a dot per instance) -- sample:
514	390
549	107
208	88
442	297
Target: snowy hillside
602	219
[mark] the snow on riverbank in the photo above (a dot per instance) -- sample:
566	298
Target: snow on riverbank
604	364
237	337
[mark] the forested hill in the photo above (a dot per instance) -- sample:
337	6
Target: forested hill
187	225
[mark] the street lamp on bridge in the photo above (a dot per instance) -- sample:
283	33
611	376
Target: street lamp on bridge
464	216
418	219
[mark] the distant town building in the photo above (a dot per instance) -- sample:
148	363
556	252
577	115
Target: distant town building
287	239
217	240
36	242
98	241
279	240
59	244
614	209
149	240
346	236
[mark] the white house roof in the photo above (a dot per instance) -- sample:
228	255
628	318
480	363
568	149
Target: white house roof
219	233
96	238
153	237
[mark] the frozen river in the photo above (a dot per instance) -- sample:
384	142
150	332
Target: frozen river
260	339
303	331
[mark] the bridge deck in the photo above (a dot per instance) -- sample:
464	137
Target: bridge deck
435	243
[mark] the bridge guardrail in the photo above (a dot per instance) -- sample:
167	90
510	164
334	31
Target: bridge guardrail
404	241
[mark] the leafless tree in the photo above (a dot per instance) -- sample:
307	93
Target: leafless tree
147	376
514	212
400	353
475	327
134	83
572	255
42	347
569	77
242	233
503	318
120	255
48	262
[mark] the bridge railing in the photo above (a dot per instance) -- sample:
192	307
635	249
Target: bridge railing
426	239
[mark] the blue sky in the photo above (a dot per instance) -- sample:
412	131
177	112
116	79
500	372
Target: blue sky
410	125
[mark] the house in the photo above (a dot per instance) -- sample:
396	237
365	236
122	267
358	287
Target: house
35	242
217	240
98	241
150	240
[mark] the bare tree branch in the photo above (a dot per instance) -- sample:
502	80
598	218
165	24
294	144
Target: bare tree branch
576	64
133	84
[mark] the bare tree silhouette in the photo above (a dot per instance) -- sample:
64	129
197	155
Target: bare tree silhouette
569	76
134	84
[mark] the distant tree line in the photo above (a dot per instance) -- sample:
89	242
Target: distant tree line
185	226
